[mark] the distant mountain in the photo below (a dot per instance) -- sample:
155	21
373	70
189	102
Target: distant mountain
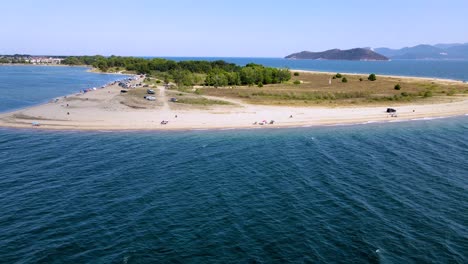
447	45
438	51
337	54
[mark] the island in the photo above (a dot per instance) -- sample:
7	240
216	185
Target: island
357	54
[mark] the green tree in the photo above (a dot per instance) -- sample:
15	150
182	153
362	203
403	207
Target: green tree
284	75
397	87
372	77
217	78
248	75
344	80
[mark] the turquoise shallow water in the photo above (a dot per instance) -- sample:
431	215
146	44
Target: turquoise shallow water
378	193
23	86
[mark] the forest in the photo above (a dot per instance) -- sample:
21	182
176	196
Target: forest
187	73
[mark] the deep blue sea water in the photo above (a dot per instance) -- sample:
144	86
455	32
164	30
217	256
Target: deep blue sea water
445	69
376	193
392	193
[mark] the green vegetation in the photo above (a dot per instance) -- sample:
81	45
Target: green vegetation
344	80
360	79
315	90
427	94
201	101
372	77
338	75
188	73
397	87
296	74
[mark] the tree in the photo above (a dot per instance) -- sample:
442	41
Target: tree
248	75
338	75
344	80
217	78
296	74
284	75
372	77
397	87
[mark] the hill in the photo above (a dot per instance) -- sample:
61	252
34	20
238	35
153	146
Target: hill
439	51
337	54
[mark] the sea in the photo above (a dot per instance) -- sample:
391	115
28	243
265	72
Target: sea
370	193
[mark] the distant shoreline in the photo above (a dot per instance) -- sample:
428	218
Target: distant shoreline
435	79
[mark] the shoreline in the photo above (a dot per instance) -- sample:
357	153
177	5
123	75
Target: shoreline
244	128
217	118
109	110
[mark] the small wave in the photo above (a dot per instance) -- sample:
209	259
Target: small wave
429	118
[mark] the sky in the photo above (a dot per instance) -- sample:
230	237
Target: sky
237	28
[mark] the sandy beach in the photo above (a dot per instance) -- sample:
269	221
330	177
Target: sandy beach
109	109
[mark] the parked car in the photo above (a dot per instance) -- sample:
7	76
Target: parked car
150	91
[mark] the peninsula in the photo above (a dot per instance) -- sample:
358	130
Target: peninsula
219	95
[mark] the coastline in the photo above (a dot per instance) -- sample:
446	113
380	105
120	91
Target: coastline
104	110
107	109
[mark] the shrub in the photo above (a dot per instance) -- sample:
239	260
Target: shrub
360	79
260	85
372	77
404	94
397	87
427	94
296	74
344	80
158	81
338	75
297	82
334	77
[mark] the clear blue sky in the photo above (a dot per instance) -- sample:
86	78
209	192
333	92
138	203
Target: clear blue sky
237	28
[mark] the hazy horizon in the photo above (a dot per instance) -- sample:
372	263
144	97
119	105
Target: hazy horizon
224	29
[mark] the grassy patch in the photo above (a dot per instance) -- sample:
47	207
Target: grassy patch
322	89
201	101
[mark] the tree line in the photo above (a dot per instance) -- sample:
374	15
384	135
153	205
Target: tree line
213	73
